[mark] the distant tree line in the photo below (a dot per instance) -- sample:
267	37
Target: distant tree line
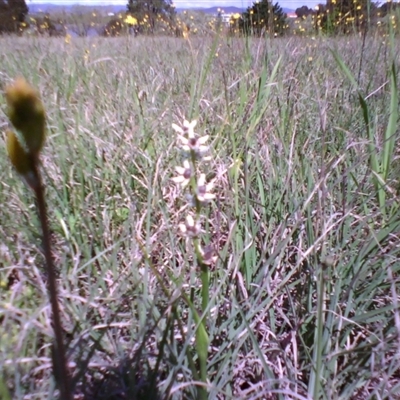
12	15
346	16
149	12
384	9
333	17
263	17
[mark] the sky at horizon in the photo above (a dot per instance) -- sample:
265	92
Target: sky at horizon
292	4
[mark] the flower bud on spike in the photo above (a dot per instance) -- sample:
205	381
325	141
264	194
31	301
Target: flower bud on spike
26	113
21	160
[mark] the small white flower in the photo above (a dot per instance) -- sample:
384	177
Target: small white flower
189	140
195	143
184	174
208	255
188	128
190	200
191	227
203	190
178	129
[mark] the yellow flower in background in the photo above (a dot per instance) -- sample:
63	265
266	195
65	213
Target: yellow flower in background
26	113
67	38
130	20
185	31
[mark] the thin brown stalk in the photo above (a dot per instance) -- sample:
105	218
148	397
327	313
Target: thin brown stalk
59	358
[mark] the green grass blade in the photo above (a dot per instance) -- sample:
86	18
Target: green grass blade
390	137
4	393
344	68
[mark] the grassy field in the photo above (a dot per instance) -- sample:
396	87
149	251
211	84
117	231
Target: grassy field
303	298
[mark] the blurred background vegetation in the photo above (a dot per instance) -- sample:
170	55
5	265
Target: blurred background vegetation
160	17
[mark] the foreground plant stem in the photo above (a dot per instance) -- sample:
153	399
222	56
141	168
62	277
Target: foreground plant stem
59	358
319	345
27	115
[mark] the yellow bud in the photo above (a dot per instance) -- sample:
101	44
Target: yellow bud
21	160
26	113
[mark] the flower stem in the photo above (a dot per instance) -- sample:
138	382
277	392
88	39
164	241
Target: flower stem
205	286
59	359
